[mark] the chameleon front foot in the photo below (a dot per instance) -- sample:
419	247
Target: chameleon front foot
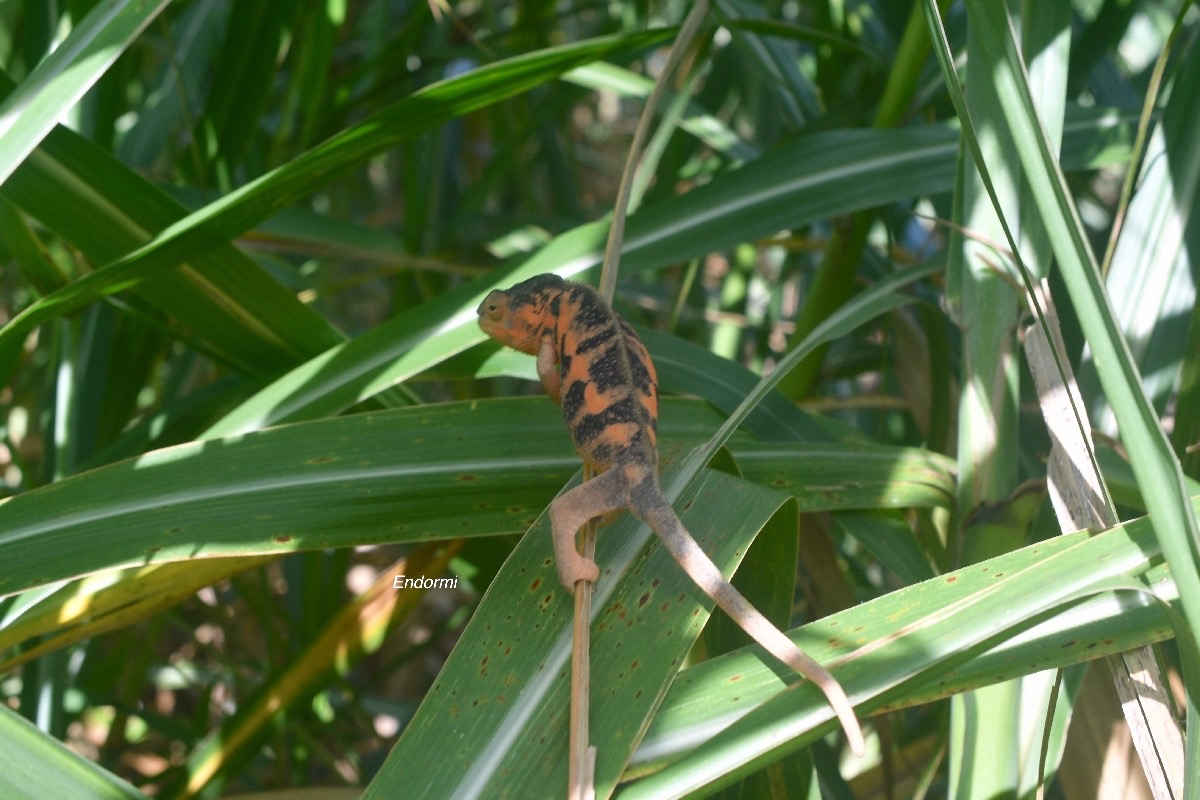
577	569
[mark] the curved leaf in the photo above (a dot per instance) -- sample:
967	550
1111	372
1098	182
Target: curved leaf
404	475
222	220
37	766
888	643
56	85
801	182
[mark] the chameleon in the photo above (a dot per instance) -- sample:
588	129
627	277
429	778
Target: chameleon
592	363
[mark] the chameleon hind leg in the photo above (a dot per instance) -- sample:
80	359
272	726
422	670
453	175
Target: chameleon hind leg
598	497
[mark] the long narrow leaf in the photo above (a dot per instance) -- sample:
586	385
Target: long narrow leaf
37	766
894	639
236	212
243	315
1158	472
413	474
495	723
57	83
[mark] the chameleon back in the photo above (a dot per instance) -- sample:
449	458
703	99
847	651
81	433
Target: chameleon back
609	387
590	361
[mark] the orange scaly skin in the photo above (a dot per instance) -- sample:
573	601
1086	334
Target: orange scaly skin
592	363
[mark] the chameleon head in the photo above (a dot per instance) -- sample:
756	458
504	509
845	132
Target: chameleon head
501	320
516	317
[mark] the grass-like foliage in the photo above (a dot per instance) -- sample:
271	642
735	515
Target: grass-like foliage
272	511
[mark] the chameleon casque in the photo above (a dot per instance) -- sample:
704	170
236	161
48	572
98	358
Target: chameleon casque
592	363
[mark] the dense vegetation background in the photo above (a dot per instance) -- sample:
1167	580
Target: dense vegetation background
242	242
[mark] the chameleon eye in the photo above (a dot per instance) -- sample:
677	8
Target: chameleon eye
493	306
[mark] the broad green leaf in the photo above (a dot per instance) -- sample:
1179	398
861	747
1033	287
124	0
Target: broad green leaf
1157	470
496	720
841	475
405	475
56	85
37	766
881	650
796	184
1151	280
373	477
220	299
231	215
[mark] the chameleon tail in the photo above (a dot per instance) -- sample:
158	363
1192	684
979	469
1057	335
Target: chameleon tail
705	574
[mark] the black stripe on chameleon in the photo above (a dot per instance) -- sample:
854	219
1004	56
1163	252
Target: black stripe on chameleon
602	454
532	292
597	339
639	376
607	372
588	427
591	311
572	400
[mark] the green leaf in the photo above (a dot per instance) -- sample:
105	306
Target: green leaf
221	299
241	209
470	734
406	475
1150	280
791	186
376	477
1157	470
37	766
882	650
56	85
